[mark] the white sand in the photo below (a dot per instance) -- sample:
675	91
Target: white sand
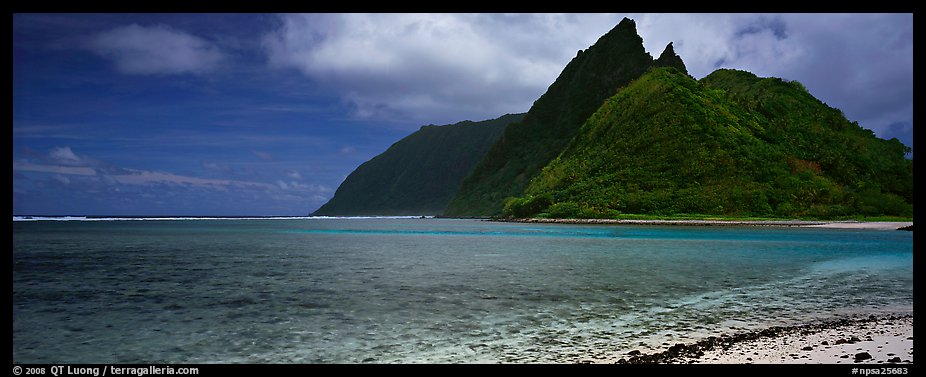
880	225
889	339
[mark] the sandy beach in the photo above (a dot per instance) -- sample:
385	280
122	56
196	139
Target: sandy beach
884	340
878	225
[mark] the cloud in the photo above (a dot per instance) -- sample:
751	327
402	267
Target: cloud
142	177
347	150
859	63
710	41
95	176
215	166
303	187
158	50
65	156
63	162
443	68
132	176
436	68
266	156
60	178
43	168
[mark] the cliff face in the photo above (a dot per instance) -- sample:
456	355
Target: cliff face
619	132
418	174
595	74
669	58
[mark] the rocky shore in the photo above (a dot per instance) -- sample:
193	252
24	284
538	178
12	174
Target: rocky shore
874	340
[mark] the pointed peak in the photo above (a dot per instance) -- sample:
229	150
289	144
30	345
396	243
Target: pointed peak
626	25
623	29
623	34
669	58
627	22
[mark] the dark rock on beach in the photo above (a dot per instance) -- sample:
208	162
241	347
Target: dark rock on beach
688	353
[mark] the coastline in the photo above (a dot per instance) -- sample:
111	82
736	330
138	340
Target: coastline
877	225
885	340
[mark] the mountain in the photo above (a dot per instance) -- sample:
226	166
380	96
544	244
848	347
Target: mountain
669	58
621	133
729	144
418	174
554	119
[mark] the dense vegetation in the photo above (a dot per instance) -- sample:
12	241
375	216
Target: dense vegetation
526	147
418	174
619	134
732	144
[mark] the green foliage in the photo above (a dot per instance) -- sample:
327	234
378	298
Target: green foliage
565	210
730	145
619	135
526	206
418	174
555	118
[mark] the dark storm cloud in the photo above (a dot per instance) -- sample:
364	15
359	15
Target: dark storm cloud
774	24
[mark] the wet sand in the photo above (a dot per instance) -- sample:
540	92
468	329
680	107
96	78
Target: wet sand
874	340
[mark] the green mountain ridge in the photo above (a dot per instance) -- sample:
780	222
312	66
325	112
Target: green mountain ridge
729	144
418	174
554	119
620	133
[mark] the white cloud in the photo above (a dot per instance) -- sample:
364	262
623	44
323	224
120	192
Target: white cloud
302	187
60	178
437	68
710	41
62	161
266	156
294	175
443	68
44	168
157	49
142	177
65	156
347	150
859	63
214	166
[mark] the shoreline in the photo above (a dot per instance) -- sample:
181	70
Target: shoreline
885	340
850	224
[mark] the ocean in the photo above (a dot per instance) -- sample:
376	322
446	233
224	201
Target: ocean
407	290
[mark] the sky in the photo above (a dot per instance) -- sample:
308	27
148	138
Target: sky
266	114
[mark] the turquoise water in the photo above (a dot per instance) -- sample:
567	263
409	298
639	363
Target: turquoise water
426	290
